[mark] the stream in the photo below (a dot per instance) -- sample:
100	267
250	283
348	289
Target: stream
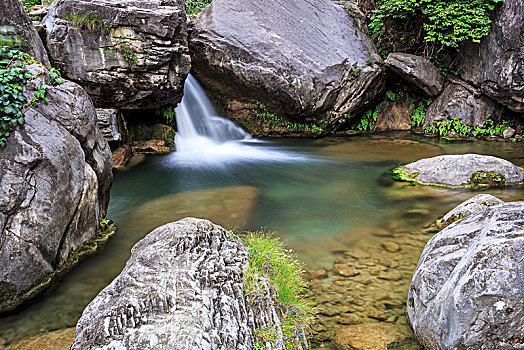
329	202
358	232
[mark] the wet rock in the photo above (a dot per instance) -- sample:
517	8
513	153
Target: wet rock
371	336
418	71
16	24
55	177
316	274
301	58
496	64
182	288
108	120
456	170
458	102
345	270
151	147
508	133
391	275
128	54
391	247
141	132
473	205
467	289
56	340
395	115
121	156
350	319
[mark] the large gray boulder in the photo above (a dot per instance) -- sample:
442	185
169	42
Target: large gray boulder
458	102
15	24
473	205
456	170
130	54
55	177
182	288
497	64
300	57
417	71
467	289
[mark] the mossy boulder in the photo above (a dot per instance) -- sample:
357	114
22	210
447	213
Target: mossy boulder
162	132
460	171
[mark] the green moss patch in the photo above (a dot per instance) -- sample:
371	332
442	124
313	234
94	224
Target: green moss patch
269	261
106	230
400	174
488	179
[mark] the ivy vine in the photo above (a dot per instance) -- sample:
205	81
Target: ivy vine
13	76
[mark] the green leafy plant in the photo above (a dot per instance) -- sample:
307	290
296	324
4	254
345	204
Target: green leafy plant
269	261
443	23
169	114
446	128
418	114
195	6
263	115
488	179
13	75
354	72
369	118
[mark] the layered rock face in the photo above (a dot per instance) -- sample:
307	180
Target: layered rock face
458	102
182	288
55	177
302	58
130	54
467	290
496	65
16	24
457	170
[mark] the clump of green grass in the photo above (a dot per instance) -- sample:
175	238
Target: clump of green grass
269	260
84	20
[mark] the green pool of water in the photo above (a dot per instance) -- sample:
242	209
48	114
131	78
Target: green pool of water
335	198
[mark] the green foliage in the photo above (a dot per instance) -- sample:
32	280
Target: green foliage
444	23
419	114
84	20
30	3
455	127
128	53
354	72
269	261
263	115
195	6
369	118
169	114
488	179
13	75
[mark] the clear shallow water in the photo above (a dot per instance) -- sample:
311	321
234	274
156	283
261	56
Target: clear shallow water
324	197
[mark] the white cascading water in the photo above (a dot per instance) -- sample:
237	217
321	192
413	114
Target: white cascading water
206	139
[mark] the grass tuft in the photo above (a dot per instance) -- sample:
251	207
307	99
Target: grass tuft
84	20
269	260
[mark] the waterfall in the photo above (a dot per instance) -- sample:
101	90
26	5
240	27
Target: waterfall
207	140
199	126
